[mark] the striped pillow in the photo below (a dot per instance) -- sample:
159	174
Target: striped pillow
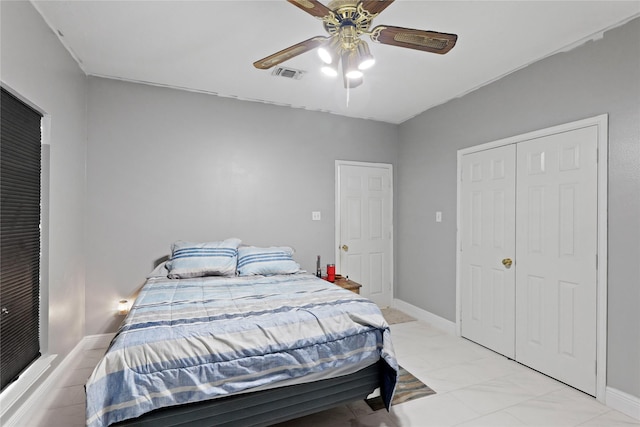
203	259
266	261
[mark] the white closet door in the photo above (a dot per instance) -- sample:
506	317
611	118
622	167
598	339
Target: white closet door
488	238
556	219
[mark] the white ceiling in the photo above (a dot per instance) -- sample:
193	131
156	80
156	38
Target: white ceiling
210	46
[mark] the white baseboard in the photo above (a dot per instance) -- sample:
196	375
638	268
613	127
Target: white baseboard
420	314
623	402
40	396
92	342
15	391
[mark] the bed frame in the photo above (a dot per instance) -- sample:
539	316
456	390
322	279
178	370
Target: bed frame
267	407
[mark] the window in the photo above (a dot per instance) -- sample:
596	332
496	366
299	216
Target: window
20	160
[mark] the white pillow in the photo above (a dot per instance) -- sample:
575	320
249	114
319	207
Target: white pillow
266	261
190	259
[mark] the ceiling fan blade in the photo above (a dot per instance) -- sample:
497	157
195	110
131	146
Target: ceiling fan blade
312	7
427	41
375	6
290	52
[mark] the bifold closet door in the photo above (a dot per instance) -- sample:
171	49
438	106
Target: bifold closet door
488	247
556	228
528	253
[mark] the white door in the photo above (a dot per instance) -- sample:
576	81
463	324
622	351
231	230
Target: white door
542	311
364	227
488	238
556	217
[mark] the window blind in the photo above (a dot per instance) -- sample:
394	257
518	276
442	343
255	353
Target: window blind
20	154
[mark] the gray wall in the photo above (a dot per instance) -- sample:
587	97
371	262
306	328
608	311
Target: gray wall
35	66
598	77
166	165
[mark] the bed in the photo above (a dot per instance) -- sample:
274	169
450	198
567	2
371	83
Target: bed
260	344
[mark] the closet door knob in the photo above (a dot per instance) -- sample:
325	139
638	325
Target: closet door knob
345	248
507	262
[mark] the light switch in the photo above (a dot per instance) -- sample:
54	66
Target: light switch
438	216
315	216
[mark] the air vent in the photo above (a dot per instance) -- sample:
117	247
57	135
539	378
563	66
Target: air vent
288	73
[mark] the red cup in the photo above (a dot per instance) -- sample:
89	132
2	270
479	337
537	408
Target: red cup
331	272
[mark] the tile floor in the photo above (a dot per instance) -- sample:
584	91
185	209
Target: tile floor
475	387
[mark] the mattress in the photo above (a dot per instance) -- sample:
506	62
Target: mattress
192	340
267	407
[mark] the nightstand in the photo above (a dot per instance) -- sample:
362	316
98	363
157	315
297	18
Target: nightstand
348	284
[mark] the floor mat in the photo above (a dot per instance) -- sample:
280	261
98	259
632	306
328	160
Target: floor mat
394	316
408	388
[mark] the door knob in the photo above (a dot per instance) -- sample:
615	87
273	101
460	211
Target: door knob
507	262
345	248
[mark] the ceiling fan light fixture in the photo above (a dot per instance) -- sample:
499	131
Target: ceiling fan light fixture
353	83
328	52
350	66
348	35
330	70
365	58
354	74
325	55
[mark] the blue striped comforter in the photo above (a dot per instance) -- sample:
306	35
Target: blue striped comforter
190	340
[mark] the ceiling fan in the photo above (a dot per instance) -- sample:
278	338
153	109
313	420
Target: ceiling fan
345	21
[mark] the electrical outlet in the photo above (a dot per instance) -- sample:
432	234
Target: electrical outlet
438	216
315	216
